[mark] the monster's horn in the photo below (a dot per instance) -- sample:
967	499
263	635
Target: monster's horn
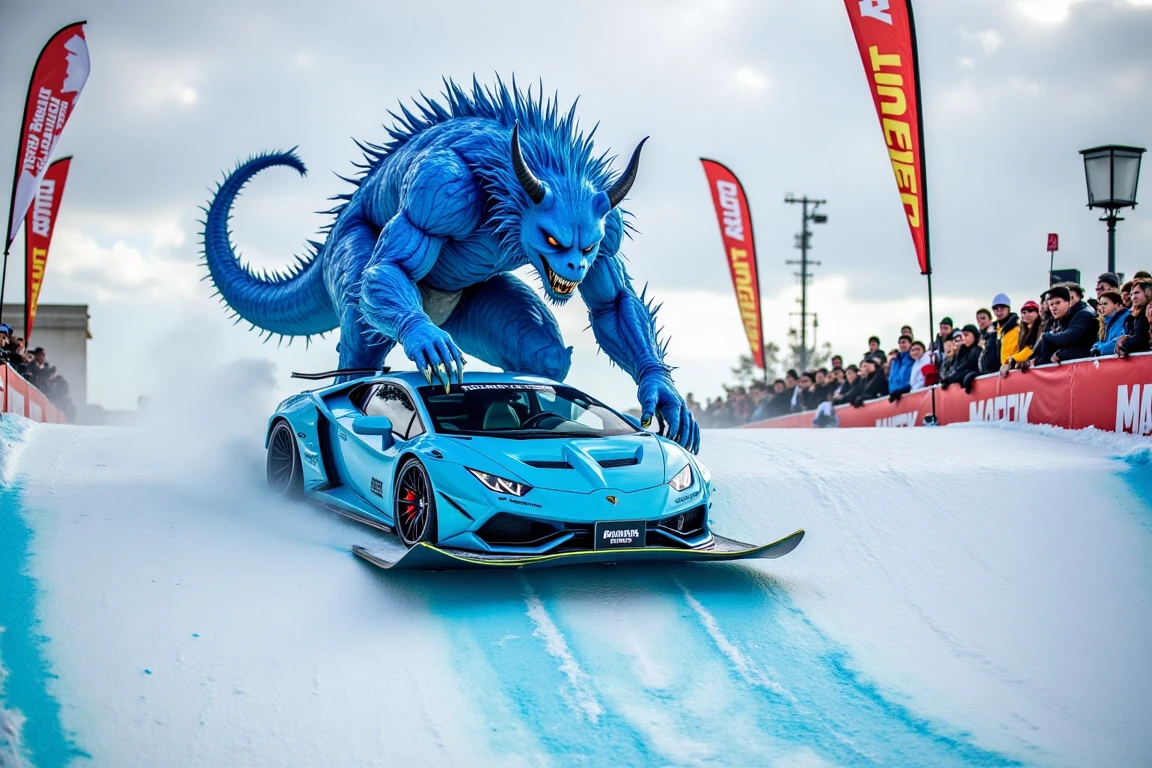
620	189
532	185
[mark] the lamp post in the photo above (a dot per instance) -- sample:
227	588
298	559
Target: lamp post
1112	172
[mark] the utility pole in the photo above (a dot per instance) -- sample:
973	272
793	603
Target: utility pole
802	242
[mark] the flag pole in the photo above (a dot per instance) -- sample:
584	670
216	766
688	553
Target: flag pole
923	185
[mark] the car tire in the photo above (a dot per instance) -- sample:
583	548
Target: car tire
283	470
414	504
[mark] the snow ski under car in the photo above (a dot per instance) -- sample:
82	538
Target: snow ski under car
393	555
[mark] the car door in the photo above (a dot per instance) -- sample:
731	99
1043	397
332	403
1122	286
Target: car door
369	467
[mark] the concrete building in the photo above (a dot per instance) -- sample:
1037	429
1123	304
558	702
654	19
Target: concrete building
62	329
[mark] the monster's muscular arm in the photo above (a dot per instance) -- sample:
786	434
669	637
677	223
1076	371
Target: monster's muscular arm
623	327
438	200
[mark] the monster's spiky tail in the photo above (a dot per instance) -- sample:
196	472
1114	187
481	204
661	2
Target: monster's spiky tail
292	303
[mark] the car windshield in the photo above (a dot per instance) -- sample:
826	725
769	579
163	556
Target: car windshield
520	411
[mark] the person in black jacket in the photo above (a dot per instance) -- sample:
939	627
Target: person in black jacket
873	382
809	398
874	352
989	346
850	388
966	364
1073	331
967	359
946	332
1135	338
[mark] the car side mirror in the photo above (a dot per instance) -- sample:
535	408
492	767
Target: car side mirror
632	420
375	425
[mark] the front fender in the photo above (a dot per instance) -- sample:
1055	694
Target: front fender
302	415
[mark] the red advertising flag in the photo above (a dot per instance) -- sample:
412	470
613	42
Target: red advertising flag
57	80
886	36
1053	242
739	248
38	235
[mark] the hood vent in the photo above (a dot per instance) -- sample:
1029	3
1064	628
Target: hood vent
628	461
631	461
548	464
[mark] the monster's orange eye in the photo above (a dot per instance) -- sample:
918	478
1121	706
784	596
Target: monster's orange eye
553	241
587	250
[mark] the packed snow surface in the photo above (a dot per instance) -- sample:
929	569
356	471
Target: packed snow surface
965	596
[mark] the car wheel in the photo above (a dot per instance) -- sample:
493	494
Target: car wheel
285	475
415	507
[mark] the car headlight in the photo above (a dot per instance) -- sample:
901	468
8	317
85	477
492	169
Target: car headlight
682	480
705	473
500	484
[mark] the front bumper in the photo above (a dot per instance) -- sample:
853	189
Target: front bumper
547	521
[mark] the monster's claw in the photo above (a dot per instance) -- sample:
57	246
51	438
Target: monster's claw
427	373
647	422
442	374
459	366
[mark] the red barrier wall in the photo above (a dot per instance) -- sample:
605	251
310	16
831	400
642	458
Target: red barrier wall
1106	393
22	398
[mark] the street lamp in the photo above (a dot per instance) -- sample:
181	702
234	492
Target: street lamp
1112	173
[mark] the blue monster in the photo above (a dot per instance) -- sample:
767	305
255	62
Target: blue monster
421	252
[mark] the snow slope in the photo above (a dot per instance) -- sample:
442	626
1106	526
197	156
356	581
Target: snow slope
965	596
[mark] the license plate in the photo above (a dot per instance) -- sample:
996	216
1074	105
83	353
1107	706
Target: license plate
620	534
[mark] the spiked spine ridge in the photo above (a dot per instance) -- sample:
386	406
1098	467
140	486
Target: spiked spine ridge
552	143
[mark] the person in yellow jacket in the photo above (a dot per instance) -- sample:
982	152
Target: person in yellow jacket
1025	335
1007	327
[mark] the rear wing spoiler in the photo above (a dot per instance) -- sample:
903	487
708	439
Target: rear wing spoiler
339	372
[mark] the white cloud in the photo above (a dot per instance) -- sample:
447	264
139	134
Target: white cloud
1057	11
990	40
85	270
1023	85
750	79
1046	11
186	96
155	85
962	97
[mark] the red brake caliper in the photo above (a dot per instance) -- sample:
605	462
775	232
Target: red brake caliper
410	500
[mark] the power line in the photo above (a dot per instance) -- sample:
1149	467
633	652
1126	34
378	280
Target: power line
803	243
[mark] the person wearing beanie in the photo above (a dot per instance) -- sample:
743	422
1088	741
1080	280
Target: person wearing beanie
1031	325
1007	329
1072	334
1107	282
946	331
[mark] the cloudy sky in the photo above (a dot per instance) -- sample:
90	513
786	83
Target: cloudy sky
775	89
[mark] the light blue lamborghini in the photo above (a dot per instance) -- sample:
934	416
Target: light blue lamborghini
501	469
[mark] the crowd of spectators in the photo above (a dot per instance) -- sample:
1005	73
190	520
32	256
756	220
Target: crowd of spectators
1064	325
33	365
